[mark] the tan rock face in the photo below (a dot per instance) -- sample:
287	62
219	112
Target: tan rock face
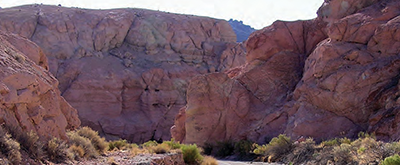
300	82
29	96
126	71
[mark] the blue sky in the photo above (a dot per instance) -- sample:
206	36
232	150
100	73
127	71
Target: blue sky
257	13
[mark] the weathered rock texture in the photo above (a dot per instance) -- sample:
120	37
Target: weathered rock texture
332	76
29	95
126	71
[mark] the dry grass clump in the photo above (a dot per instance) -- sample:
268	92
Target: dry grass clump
276	149
84	143
75	152
9	147
208	160
118	145
29	142
364	150
57	150
98	142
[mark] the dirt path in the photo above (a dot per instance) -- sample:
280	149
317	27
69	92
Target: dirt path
227	162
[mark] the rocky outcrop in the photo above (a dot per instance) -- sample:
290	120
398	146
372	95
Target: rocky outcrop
329	77
126	71
242	31
29	95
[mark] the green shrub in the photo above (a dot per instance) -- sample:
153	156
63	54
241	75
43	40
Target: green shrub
84	143
191	154
57	150
392	160
260	149
345	140
278	147
332	142
9	147
173	144
150	143
98	142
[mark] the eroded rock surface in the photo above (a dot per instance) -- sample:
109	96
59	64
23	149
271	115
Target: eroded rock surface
29	94
126	71
333	76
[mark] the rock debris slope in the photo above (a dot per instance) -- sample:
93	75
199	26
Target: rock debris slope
126	71
329	77
29	95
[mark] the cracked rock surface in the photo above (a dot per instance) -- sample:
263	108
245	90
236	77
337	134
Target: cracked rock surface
126	71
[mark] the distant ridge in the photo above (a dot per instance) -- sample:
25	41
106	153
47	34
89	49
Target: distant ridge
242	31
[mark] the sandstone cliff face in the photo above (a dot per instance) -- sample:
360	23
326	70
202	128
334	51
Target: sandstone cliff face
126	71
332	76
29	95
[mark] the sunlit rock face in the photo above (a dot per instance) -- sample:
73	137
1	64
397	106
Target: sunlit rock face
29	96
126	71
333	76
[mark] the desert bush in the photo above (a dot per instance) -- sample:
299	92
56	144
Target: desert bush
302	151
118	144
9	147
83	142
362	135
98	142
208	160
173	144
160	148
278	147
243	147
345	140
150	143
136	150
75	152
224	148
392	160
343	154
191	154
57	150
28	140
332	142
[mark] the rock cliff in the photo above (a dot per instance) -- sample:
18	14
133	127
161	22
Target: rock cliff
126	71
29	95
333	76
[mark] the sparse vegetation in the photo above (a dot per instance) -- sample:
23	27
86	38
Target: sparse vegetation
364	150
9	147
98	142
57	150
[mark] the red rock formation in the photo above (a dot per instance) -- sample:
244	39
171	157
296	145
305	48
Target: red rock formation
300	82
126	71
29	95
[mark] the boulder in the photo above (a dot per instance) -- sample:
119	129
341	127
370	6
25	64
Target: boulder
333	76
29	95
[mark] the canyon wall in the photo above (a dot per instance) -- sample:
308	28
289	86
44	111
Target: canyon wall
126	71
29	96
333	76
